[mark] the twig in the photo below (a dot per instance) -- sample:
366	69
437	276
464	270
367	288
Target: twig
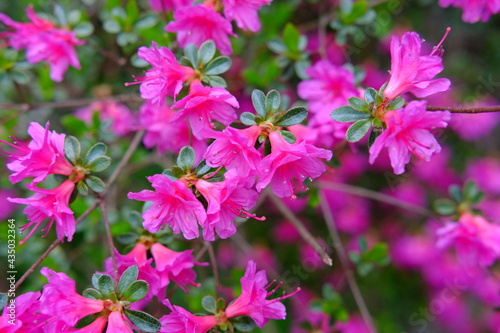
109	237
363	192
306	235
472	110
213	262
344	261
128	154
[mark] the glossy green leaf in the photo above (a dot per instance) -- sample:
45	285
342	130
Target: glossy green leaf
292	117
143	321
185	160
218	66
346	114
259	103
127	278
358	130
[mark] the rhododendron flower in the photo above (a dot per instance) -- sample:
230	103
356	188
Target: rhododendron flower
44	155
244	12
204	104
411	72
168	5
43	42
24	318
234	149
476	240
122	119
474	10
173	204
408	131
253	300
52	204
182	321
165	78
288	161
197	24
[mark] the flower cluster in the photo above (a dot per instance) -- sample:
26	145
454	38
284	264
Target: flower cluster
474	10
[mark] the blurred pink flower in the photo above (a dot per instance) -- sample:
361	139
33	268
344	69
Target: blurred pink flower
408	131
182	321
53	204
168	5
173	204
7	207
244	12
486	173
477	241
44	155
43	42
411	72
122	119
197	24
26	316
474	10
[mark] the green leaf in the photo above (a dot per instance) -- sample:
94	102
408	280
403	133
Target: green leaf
143	321
277	46
83	29
97	150
128	238
92	293
95	280
177	172
202	168
3	300
374	134
129	276
135	219
146	22
365	268
170	174
206	52
370	95
363	245
132	10
185	160
136	291
82	188
95	183
259	103
100	164
215	81
191	53
106	286
112	26
244	324
300	68
346	114
358	104
209	304
455	193
291	37
445	207
273	101
75	125
248	118
470	190
217	66
377	254
358	130
355	257
72	148
288	136
292	117
396	103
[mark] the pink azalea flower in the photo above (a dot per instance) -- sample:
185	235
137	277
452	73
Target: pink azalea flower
168	5
122	119
173	204
411	72
165	78
197	24
486	173
174	266
244	12
234	149
44	155
97	326
43	42
53	204
474	10
59	297
117	323
476	240
288	161
408	131
165	135
253	300
204	104
182	321
226	201
24	318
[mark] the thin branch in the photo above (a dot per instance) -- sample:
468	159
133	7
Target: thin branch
344	261
213	262
363	192
472	110
125	159
306	235
109	238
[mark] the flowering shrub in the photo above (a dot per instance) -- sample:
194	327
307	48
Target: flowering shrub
249	166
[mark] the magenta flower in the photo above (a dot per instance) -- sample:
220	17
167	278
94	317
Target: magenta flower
244	12
288	162
197	24
253	300
477	241
122	120
44	155
234	149
173	204
53	204
408	131
204	104
43	42
25	318
59	297
182	321
168	5
411	72
474	10
165	78
227	201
